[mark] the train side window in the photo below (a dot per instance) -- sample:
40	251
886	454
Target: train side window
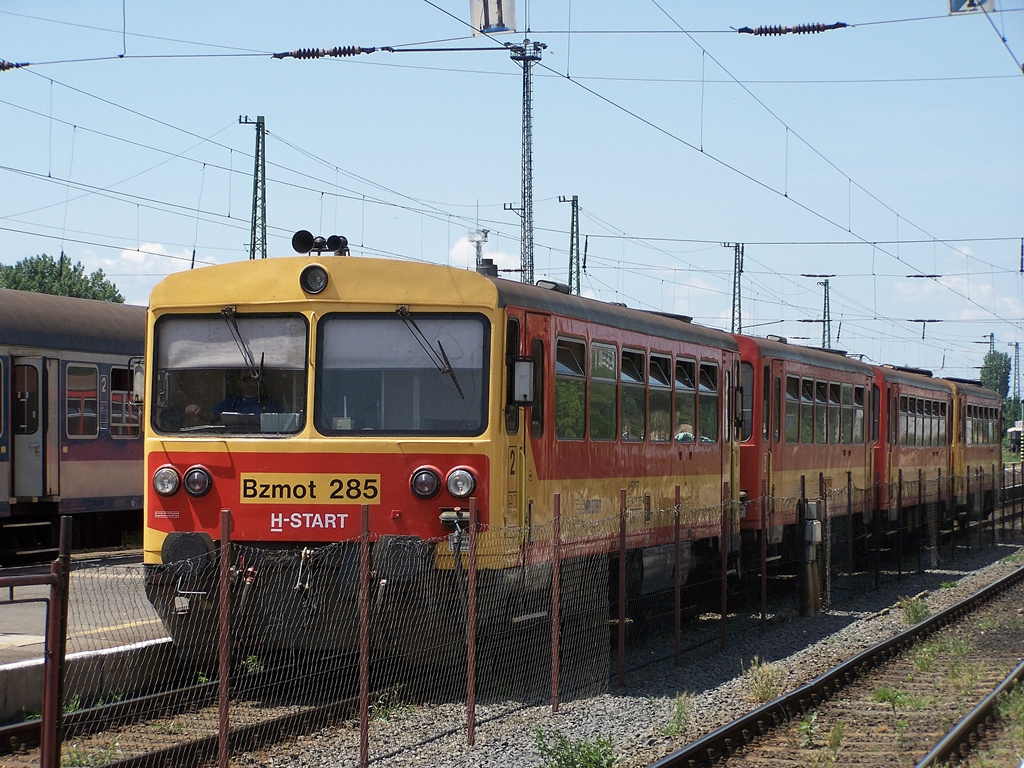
570	389
766	398
807	410
686	401
659	383
903	420
792	409
124	415
821	412
777	409
858	414
929	415
25	412
633	377
747	384
603	383
707	403
511	353
875	412
940	437
82	397
537	409
834	413
846	426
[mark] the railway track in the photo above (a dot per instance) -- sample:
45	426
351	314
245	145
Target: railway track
889	705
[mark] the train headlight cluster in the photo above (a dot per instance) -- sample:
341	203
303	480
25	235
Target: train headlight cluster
425	483
461	483
166	481
197	481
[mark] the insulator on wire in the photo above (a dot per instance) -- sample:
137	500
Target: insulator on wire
6	65
319	53
799	29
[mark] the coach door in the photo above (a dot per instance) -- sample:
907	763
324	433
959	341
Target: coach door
27	425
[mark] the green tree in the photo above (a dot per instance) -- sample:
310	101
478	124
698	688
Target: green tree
43	274
995	372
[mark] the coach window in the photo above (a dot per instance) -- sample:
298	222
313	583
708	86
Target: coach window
858	414
924	418
766	400
82	387
633	377
537	409
124	417
659	383
747	385
846	427
875	412
777	408
834	413
511	353
25	411
940	424
570	389
792	409
903	420
686	401
806	410
820	412
929	414
707	403
603	382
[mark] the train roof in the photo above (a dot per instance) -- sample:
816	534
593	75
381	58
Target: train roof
824	358
917	377
359	279
974	389
41	320
511	293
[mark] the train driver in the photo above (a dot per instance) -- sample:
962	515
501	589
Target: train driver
250	399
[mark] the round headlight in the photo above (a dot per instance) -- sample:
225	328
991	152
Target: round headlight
166	481
313	279
425	482
197	481
461	483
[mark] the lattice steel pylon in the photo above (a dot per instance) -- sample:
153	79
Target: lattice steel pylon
527	55
574	244
258	237
737	272
826	325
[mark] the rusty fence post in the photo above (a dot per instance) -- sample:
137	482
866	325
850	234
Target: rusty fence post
471	626
556	597
677	589
224	642
622	588
364	637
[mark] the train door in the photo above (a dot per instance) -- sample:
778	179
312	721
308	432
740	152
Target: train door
28	397
535	336
515	430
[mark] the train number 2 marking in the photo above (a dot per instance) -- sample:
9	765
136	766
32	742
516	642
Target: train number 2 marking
280	487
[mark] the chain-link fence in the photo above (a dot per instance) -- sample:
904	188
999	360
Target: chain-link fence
250	643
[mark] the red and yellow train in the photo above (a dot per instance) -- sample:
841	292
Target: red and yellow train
413	388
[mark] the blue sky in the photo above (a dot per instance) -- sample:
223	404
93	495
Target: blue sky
888	154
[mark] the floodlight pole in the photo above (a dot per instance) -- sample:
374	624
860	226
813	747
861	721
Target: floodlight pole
527	55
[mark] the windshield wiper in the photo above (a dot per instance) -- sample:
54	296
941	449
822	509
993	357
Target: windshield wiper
229	317
439	358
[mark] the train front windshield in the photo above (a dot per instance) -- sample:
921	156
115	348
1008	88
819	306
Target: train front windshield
239	374
402	373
